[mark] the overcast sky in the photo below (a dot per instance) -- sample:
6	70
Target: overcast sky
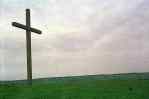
80	37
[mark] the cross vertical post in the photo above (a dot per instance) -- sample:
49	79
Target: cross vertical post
28	47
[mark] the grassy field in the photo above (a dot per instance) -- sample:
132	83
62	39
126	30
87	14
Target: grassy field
86	88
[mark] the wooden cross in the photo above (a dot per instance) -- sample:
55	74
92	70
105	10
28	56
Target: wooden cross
28	29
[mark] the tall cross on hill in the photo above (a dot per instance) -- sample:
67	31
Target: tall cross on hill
28	29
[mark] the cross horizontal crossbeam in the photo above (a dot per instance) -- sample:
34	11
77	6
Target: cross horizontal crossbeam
26	28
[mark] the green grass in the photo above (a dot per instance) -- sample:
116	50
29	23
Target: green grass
78	89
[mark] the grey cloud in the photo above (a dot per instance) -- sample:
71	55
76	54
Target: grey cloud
71	43
113	39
